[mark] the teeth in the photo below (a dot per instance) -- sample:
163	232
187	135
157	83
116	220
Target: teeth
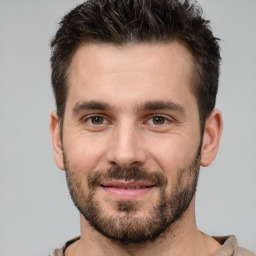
136	187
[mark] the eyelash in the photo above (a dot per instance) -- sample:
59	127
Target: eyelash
165	120
90	118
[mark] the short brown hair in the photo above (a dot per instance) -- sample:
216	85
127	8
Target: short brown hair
120	22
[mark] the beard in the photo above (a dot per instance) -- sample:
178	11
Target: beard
123	226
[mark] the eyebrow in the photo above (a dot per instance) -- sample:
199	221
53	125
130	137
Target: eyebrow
147	106
91	105
161	105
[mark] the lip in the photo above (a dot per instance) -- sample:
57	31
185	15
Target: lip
127	190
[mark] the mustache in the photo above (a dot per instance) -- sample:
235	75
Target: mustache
95	178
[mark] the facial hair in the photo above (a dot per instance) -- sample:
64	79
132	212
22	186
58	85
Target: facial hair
124	227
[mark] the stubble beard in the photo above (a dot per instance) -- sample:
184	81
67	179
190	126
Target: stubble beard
124	227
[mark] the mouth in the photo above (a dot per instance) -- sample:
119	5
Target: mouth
127	190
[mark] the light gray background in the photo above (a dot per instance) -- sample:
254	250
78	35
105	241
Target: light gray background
36	213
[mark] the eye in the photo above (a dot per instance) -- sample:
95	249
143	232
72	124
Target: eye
95	120
158	120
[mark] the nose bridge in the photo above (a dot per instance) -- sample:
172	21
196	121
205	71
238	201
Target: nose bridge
126	149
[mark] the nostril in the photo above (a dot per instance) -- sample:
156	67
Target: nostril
113	164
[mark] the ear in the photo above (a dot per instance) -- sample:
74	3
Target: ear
211	138
56	139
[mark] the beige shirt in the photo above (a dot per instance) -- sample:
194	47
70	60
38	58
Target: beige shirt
229	247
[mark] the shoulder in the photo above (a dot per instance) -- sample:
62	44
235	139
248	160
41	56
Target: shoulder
60	252
230	247
243	252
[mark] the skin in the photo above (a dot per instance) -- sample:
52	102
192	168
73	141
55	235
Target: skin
126	78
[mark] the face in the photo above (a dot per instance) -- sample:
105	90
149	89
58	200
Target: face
131	138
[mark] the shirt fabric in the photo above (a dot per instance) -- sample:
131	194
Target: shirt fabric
229	247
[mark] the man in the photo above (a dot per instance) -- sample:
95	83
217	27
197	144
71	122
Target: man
135	84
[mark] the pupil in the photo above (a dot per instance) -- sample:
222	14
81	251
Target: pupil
158	120
97	120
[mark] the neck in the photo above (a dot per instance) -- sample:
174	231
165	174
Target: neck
183	238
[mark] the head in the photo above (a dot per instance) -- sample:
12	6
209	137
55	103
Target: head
135	85
123	23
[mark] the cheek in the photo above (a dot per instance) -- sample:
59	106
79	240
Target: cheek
173	154
84	152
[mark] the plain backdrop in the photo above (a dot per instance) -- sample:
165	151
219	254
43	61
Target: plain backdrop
36	212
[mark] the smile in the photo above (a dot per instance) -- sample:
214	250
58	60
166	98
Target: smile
127	190
135	187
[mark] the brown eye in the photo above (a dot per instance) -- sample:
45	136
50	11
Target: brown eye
158	120
96	120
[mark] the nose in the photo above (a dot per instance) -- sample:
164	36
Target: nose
126	148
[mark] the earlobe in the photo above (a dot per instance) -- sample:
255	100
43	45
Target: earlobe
56	139
211	138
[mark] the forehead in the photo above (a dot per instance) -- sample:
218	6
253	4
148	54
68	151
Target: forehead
152	71
142	57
